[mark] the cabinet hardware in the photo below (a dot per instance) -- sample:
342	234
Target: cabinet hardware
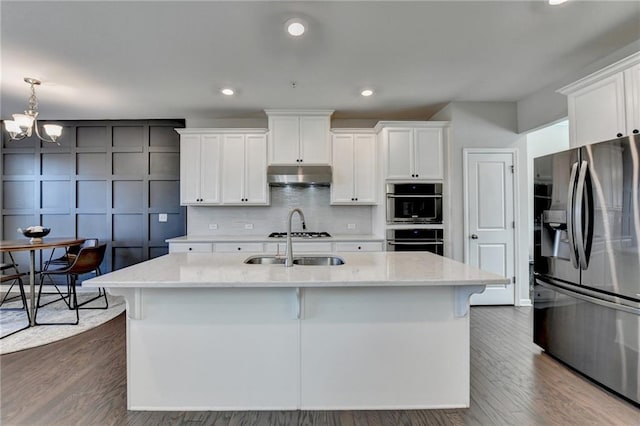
619	135
474	237
636	131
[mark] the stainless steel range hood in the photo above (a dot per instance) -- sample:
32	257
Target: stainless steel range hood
299	175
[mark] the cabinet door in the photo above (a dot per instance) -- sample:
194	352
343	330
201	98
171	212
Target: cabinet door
428	149
314	140
597	112
209	169
256	190
342	184
189	169
284	140
364	149
399	153
233	169
632	97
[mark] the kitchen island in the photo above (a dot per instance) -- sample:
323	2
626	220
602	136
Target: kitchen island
385	330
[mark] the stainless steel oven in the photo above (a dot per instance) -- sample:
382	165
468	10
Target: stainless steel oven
416	240
414	203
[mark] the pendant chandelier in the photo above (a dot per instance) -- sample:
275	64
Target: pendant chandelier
24	125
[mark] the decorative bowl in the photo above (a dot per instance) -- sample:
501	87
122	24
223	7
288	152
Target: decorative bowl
35	234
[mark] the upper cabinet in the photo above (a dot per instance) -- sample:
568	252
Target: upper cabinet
244	170
223	166
199	168
413	150
354	167
605	105
299	136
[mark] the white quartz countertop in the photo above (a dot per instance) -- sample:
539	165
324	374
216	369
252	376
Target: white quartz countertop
266	239
395	269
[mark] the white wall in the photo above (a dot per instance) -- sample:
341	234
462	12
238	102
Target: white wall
545	141
486	125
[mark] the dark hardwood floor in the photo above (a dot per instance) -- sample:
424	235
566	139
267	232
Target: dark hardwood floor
82	381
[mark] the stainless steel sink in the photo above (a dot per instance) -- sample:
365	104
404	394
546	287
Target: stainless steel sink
319	261
264	260
303	260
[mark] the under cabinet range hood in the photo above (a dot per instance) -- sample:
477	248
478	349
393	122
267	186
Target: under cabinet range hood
299	175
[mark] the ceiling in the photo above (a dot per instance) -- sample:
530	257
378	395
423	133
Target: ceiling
169	59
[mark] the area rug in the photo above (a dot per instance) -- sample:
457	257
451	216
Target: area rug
55	312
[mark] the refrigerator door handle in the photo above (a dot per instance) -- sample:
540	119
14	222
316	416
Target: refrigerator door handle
581	231
590	299
570	215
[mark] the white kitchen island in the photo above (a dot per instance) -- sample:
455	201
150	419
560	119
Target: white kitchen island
386	330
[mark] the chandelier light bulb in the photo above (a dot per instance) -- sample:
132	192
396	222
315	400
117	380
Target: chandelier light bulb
12	127
23	120
53	130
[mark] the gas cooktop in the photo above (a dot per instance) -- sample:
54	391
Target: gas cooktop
300	234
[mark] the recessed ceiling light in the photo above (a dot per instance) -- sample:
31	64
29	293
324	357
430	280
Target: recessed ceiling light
227	91
367	92
556	2
296	27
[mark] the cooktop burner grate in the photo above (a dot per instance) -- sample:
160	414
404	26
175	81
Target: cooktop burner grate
300	234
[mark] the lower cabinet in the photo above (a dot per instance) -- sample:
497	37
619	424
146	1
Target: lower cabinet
278	248
190	247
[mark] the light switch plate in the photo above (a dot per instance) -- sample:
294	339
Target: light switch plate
213	226
248	226
162	217
351	226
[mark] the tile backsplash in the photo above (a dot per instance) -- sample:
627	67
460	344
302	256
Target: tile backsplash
313	201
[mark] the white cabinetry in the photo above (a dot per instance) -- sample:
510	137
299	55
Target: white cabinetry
297	136
605	105
354	167
199	168
244	169
413	150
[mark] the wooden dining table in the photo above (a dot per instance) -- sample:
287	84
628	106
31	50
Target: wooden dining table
26	245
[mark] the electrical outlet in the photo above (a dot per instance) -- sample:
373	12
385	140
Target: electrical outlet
248	226
162	217
213	226
351	226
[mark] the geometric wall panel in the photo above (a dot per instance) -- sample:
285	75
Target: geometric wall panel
17	195
128	163
91	195
128	136
127	194
164	193
91	164
55	194
91	137
107	179
164	163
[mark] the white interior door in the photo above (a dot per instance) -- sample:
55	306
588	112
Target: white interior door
489	210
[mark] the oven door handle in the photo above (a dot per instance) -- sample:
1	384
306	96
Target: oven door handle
414	196
414	243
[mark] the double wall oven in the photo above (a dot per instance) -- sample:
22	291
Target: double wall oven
414	217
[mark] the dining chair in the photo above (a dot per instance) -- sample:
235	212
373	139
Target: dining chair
87	260
10	273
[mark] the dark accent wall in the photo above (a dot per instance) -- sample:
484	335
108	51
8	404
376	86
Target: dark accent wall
108	180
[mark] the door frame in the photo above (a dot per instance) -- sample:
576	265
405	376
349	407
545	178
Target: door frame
516	209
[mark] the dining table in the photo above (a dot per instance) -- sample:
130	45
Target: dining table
33	246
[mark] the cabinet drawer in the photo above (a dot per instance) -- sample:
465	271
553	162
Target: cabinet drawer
311	248
236	247
190	248
368	246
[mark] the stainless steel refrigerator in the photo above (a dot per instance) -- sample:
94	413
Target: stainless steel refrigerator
587	261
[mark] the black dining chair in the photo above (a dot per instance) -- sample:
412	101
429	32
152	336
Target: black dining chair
87	260
10	273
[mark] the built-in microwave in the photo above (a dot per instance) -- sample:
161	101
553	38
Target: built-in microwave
414	203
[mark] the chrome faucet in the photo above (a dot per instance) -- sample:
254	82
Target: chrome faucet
289	253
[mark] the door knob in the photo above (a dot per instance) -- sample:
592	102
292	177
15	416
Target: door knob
474	237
